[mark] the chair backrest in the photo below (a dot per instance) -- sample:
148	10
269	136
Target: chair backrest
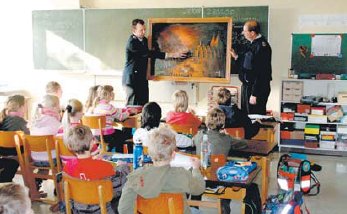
94	121
87	192
62	152
7	138
171	203
236	132
43	143
184	129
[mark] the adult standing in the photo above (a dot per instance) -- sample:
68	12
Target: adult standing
255	70
134	78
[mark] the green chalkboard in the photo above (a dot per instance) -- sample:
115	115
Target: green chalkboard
58	39
95	39
240	15
307	64
108	30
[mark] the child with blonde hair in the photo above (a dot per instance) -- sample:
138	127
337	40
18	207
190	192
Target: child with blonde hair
47	117
150	181
72	115
54	88
80	141
114	137
180	116
11	117
93	93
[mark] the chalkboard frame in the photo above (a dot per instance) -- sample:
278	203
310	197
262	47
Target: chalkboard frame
212	54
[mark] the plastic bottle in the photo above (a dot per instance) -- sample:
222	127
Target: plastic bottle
205	151
138	153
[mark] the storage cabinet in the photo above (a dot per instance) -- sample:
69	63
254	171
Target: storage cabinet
314	126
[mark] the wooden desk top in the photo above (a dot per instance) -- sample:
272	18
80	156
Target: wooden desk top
133	121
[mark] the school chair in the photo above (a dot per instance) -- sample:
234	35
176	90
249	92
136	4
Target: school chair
62	152
7	141
171	203
87	192
236	132
183	129
44	143
98	123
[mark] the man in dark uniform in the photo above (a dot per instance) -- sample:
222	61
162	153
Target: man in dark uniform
255	70
134	78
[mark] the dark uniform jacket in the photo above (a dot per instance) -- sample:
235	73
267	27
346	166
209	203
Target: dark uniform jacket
235	118
255	66
137	55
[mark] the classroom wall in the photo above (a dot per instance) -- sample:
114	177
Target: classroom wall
16	45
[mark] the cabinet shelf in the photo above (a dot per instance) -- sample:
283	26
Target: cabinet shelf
292	91
296	121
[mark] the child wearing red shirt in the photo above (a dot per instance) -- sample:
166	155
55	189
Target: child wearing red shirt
80	141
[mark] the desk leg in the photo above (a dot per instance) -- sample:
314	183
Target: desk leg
265	173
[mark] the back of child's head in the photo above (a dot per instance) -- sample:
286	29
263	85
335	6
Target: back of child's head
151	115
13	104
50	104
93	93
14	199
162	143
215	119
106	93
224	97
180	101
74	110
79	139
54	88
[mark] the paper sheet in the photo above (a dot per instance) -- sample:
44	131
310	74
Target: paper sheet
326	45
181	160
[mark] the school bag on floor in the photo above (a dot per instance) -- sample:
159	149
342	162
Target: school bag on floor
295	173
286	202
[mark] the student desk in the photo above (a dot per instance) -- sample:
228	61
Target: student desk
259	152
235	190
133	121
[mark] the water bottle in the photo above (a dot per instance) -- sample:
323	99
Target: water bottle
205	151
138	153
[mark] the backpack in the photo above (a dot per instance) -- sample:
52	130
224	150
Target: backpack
296	173
252	199
288	202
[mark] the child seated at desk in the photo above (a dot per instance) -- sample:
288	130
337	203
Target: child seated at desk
234	116
150	181
11	119
150	118
180	116
72	115
113	137
220	142
80	141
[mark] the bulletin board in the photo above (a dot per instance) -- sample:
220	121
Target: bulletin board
319	54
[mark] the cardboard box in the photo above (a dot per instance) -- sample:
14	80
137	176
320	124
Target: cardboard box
285	135
327	144
318	110
312	129
311	144
317	118
303	108
287	116
298	135
300	117
342	97
342	129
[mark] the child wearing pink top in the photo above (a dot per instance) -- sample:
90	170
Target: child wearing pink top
113	137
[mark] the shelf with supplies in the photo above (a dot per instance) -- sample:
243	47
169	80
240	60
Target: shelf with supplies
314	116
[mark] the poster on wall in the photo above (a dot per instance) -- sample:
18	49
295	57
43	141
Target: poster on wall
205	41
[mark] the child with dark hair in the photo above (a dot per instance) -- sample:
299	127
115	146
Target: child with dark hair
234	116
151	114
